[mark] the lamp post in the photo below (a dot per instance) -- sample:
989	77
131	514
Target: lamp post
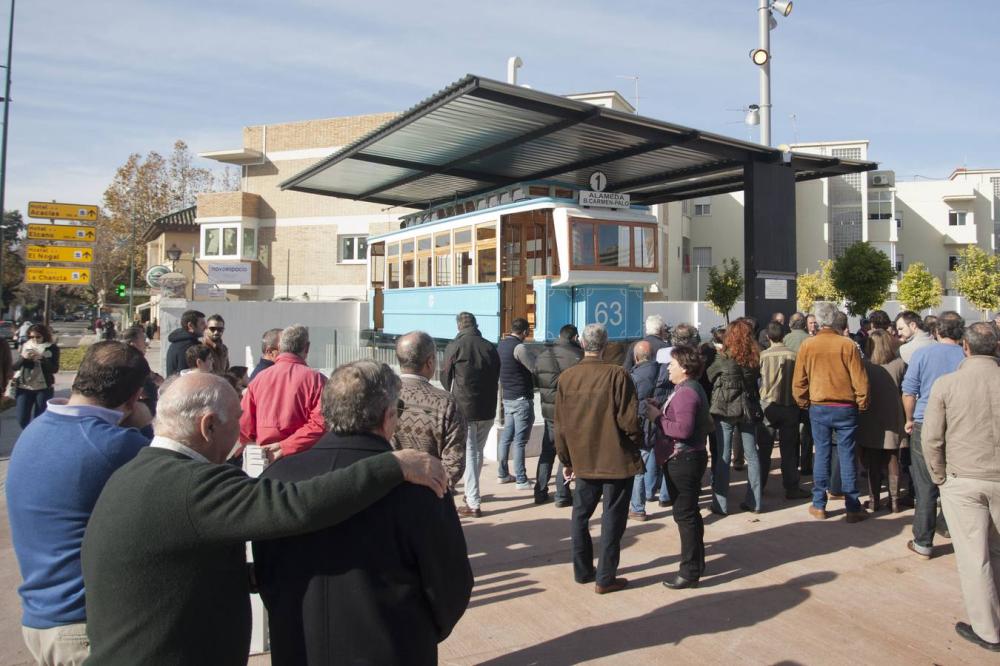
3	145
173	254
761	56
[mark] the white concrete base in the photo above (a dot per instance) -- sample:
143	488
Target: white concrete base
531	450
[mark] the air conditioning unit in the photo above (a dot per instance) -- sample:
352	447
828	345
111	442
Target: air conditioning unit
883	179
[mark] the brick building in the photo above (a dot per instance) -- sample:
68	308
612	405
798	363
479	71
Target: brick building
299	246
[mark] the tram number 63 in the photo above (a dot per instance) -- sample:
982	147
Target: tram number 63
608	313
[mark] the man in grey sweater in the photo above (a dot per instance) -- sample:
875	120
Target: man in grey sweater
164	552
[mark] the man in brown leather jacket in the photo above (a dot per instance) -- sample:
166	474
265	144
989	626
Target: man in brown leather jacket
598	440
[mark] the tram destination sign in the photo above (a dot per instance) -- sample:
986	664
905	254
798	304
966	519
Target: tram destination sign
604	199
61	232
62	211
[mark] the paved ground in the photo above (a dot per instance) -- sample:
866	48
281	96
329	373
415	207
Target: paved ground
781	588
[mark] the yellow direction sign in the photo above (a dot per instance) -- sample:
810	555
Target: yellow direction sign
61	232
68	255
40	275
62	211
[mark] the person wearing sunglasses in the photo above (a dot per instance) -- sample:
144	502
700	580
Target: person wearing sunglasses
35	374
213	340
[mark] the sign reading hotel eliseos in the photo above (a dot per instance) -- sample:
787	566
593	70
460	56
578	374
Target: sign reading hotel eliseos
61	232
59	254
42	275
62	211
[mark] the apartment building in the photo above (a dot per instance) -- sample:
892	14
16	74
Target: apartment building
926	220
296	246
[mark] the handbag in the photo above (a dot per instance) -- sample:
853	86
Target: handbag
752	411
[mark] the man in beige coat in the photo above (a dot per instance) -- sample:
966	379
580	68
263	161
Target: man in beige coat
962	447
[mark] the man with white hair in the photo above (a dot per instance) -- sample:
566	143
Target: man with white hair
164	551
657	334
830	381
281	407
598	440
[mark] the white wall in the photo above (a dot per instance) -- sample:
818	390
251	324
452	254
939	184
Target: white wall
246	321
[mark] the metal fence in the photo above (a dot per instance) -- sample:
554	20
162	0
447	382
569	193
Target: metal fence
347	351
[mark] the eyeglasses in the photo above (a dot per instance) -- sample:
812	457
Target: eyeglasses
217	329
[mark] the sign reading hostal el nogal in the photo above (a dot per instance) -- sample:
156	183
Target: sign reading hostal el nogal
229	273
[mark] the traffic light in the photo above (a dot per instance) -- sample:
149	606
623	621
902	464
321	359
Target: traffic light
121	290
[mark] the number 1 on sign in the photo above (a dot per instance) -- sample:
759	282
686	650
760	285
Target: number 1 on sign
608	313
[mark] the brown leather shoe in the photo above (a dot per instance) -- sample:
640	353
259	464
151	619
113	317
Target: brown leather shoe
635	515
616	585
856	516
468	512
817	513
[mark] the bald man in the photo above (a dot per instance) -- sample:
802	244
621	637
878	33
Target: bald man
430	420
164	555
644	373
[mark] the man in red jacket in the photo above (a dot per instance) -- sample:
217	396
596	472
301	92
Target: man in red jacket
281	408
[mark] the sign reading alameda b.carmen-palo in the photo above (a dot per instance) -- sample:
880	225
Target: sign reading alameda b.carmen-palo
604	199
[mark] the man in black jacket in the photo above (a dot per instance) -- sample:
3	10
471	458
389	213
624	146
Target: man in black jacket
386	585
188	334
657	334
164	555
551	361
471	371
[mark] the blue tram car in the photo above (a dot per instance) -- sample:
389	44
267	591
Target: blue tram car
530	250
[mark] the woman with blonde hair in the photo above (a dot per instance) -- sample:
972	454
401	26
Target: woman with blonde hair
735	377
880	428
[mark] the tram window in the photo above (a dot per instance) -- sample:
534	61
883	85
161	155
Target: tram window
613	245
563	194
408	263
583	244
486	253
377	260
442	259
392	261
424	261
518	193
538	190
463	256
645	247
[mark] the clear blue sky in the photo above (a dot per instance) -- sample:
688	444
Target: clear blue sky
94	81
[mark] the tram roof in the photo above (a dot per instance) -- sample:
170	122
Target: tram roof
477	135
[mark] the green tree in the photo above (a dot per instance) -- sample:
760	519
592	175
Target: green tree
13	257
863	275
919	289
724	287
142	190
977	277
816	286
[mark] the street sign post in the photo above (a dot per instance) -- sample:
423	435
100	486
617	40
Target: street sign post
62	211
56	275
59	254
62	232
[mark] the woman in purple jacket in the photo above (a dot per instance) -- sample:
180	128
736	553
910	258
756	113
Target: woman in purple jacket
683	423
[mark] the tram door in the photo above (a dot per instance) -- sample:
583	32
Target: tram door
527	248
376	262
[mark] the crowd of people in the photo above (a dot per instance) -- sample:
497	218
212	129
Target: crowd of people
132	490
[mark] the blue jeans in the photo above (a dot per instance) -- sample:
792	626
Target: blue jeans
475	442
647	482
828	422
721	457
519	416
30	404
544	470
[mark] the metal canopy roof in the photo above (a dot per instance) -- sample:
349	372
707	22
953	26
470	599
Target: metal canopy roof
478	135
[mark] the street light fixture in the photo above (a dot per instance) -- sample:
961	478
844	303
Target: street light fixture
761	56
173	254
753	116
